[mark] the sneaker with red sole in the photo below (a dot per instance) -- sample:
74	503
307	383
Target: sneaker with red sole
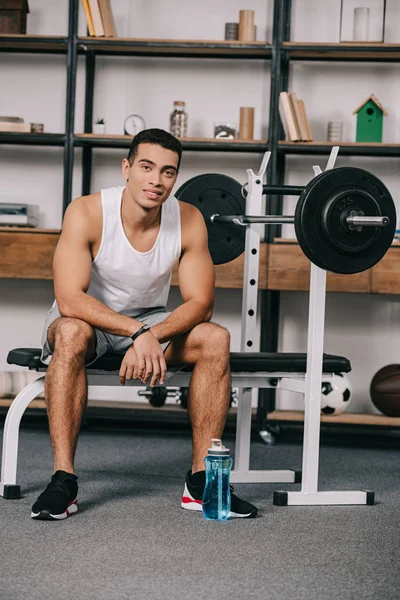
193	494
59	499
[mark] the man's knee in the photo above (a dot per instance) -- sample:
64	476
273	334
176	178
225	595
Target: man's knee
215	341
73	335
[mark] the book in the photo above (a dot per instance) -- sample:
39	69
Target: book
96	18
293	135
283	119
88	15
299	118
303	111
293	109
15	127
4	119
107	18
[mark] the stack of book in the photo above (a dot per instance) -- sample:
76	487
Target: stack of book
99	18
14	124
294	118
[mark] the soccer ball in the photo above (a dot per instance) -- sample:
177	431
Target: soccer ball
336	394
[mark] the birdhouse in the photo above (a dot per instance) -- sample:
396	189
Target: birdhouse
13	16
369	120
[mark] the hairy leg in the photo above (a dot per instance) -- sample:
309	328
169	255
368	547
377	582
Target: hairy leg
71	341
207	347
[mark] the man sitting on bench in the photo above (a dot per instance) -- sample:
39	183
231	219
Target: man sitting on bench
112	274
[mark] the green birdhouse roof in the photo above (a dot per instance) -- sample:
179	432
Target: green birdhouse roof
374	100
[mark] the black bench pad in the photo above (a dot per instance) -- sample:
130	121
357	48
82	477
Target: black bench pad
250	362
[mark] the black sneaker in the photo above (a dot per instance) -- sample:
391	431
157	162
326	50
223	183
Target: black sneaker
59	499
193	494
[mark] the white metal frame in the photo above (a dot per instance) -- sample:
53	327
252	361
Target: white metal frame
309	494
309	384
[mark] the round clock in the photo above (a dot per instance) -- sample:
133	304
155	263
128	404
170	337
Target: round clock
133	124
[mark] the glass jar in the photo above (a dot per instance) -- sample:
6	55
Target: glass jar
178	120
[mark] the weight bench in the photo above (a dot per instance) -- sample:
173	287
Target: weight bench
249	370
296	372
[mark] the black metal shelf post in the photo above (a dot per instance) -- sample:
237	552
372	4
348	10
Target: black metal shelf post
87	152
72	60
270	300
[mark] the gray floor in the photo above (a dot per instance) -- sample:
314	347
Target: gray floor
131	539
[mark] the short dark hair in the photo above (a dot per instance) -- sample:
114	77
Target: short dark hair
158	137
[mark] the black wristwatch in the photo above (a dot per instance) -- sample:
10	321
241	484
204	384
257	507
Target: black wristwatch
139	332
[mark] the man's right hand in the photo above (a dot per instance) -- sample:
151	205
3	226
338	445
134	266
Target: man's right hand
144	359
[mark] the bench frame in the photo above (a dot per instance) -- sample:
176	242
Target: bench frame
308	384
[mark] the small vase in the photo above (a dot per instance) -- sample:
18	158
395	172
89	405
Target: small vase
99	128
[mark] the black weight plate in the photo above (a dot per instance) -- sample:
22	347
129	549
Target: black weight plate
179	193
213	193
320	216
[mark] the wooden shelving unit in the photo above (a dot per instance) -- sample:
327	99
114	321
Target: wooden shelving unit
28	254
32	139
289	270
346	148
167	47
52	44
92	140
344	418
356	51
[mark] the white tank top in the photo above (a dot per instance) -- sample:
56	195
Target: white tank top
126	280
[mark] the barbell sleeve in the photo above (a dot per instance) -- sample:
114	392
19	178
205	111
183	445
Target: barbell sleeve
368	221
247	219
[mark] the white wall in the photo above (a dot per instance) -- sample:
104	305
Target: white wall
364	328
319	20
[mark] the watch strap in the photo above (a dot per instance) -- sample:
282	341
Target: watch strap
143	329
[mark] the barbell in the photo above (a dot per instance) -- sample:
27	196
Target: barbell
344	220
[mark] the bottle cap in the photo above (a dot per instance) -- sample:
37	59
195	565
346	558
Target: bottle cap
217	449
179	103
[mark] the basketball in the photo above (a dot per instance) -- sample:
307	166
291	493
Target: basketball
385	390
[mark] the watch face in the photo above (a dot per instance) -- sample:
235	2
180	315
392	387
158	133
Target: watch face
133	124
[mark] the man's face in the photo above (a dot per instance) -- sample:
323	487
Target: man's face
151	176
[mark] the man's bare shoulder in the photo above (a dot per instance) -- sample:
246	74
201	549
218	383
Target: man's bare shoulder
189	214
193	227
89	206
88	212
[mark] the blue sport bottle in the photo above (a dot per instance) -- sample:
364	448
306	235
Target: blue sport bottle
216	503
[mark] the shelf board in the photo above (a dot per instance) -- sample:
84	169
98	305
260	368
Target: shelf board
343	418
19	229
201	144
27	253
32	139
346	148
175	48
289	270
355	51
40	44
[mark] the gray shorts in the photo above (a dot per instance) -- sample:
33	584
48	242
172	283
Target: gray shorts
105	342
